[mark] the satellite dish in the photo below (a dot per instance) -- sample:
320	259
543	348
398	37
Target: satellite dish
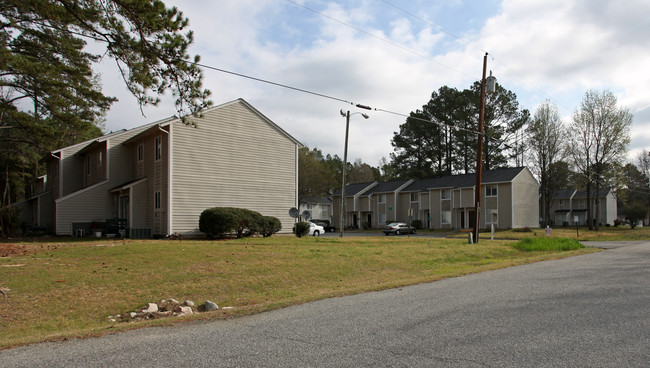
306	215
293	212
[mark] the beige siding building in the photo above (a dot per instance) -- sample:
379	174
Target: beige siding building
509	199
158	178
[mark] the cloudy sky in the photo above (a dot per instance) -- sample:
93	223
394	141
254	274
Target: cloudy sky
391	55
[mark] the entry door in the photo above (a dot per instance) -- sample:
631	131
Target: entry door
462	219
472	219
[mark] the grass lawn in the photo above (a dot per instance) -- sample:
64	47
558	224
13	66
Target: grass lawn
62	288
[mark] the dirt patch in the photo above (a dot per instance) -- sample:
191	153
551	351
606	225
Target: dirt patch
15	250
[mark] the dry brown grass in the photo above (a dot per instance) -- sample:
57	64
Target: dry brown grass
60	290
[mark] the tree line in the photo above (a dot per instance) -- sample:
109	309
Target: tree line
588	152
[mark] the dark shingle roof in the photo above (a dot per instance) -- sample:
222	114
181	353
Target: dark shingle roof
387	187
465	180
353	189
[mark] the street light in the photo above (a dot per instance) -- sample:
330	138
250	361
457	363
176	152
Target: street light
491	84
345	162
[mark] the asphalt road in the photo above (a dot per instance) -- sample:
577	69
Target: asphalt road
589	311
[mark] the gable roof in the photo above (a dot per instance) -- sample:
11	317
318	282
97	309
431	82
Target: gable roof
356	188
465	180
387	187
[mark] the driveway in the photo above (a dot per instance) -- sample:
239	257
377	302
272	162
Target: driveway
585	311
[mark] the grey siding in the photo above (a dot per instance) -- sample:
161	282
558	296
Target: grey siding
525	201
233	158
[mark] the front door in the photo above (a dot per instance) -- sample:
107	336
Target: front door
462	219
472	219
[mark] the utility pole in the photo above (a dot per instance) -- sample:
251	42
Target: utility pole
479	155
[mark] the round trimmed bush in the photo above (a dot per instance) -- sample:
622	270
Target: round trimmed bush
301	229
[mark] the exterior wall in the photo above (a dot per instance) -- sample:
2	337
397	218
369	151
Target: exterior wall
90	204
72	172
232	158
525	201
610	207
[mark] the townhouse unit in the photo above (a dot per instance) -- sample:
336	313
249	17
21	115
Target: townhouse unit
320	208
157	179
569	207
509	199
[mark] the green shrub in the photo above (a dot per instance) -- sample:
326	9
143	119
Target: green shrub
218	221
248	222
365	225
548	244
301	229
269	225
416	224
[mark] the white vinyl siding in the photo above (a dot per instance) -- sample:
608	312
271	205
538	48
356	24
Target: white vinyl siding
233	158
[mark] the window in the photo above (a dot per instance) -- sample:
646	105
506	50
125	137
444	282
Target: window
88	165
382	198
581	202
158	147
490	190
492	217
382	218
156	200
561	205
445	217
445	194
414	197
140	152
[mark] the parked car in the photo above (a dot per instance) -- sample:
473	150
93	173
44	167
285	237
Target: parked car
326	225
315	230
398	228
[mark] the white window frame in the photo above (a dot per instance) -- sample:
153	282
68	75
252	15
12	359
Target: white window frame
381	198
140	152
490	216
445	220
414	195
445	194
490	189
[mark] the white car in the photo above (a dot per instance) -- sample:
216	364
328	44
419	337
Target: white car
315	230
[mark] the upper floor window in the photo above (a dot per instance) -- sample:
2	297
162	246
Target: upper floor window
140	152
445	194
414	197
581	202
158	147
382	198
561	204
88	165
490	190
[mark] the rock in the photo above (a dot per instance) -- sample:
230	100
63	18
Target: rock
188	303
133	314
183	310
174	301
151	307
227	308
210	306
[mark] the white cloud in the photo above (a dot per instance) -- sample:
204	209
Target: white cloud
543	47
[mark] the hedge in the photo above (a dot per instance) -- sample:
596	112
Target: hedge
217	222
